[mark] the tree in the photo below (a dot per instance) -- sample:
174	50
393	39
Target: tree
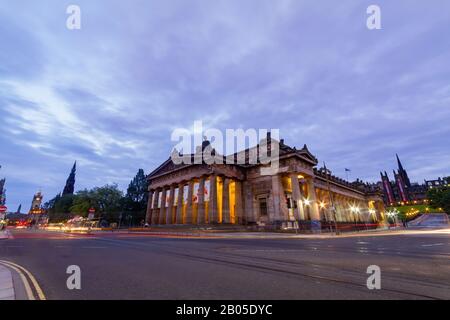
83	201
49	206
135	201
58	208
440	198
107	198
108	201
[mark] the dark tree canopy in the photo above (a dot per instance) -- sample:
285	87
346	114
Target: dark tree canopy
135	201
440	198
108	201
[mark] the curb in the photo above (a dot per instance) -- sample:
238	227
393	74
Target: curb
6	284
20	282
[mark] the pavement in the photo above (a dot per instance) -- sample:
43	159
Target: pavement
414	265
6	284
5	234
430	221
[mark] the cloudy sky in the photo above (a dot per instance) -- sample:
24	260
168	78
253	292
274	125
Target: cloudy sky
109	95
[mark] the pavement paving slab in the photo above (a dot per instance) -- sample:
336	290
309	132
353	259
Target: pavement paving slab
6	284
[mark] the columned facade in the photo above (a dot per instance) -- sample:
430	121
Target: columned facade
201	194
208	201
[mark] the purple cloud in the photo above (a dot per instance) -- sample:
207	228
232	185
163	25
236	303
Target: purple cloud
110	94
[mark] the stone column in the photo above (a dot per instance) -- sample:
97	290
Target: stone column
275	199
179	219
169	210
155	208
315	213
201	201
189	207
239	203
162	211
213	216
148	216
248	202
297	197
281	212
226	201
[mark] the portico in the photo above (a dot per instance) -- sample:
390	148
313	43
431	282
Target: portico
202	194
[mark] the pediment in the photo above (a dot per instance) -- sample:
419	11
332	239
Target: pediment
165	167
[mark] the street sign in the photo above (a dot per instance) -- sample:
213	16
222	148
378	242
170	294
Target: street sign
91	214
3	209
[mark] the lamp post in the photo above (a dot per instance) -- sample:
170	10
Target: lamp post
1	192
356	212
393	214
372	213
332	207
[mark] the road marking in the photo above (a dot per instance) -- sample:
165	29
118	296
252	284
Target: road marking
38	289
432	245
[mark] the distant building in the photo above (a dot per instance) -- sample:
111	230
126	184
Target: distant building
439	183
401	191
37	213
36	204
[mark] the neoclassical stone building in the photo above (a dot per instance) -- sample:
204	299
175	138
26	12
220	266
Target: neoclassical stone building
204	193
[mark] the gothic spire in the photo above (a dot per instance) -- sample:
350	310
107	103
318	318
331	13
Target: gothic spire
403	172
400	167
70	184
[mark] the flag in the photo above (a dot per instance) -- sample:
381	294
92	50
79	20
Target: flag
347	170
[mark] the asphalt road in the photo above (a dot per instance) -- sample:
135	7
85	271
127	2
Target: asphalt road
148	267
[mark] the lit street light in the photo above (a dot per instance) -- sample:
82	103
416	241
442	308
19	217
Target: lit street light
332	207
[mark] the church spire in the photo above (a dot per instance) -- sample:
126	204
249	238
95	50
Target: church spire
400	167
70	184
402	172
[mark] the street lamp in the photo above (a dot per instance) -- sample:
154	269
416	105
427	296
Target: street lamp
332	207
393	214
355	210
373	216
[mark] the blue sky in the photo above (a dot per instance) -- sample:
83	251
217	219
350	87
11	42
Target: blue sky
110	94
